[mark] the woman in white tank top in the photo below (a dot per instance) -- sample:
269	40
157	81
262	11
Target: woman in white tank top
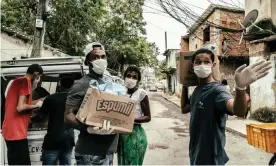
132	147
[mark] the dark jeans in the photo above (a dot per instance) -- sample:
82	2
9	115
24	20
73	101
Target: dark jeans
94	160
50	157
18	152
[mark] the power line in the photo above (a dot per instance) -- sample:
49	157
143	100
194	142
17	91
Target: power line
161	28
148	12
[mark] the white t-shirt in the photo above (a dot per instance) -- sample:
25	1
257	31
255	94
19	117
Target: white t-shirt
228	88
138	96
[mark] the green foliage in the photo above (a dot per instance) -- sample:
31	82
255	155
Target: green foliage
265	115
161	70
118	24
19	14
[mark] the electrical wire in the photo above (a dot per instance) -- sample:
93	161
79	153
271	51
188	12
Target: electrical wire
173	8
161	28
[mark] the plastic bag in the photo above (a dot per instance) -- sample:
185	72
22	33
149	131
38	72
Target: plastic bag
110	87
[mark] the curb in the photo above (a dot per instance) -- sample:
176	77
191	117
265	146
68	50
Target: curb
170	101
230	130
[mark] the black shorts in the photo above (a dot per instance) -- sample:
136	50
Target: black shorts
18	152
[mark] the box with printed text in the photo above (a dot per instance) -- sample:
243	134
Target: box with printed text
98	106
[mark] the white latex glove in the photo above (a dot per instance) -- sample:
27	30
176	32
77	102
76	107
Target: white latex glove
39	104
105	130
245	76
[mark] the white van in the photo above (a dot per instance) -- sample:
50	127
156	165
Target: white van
53	70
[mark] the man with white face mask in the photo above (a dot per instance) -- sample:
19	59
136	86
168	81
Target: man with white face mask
18	110
95	146
209	105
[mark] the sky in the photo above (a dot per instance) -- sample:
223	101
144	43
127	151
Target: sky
158	22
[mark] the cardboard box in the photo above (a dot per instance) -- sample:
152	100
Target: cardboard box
185	72
98	106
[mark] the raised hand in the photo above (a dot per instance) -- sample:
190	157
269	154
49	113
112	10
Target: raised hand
245	76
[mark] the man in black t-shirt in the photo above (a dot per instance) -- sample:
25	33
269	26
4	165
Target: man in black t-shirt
59	140
209	105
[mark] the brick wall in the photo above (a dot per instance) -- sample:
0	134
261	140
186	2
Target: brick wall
259	49
184	44
230	20
227	71
226	19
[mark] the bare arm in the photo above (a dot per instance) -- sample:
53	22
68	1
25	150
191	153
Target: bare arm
22	105
185	105
238	106
35	101
70	118
146	109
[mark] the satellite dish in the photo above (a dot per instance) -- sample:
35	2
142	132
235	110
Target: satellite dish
250	18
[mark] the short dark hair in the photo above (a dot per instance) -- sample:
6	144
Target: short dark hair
135	69
224	82
35	68
66	82
201	51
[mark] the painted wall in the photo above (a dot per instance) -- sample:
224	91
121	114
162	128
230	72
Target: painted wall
171	63
261	92
14	47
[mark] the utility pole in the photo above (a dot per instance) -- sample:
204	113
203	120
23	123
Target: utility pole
40	25
119	70
166	44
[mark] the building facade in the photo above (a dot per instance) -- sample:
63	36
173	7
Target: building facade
262	45
219	29
172	84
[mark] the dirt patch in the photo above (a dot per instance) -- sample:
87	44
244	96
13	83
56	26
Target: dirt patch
158	146
180	130
172	111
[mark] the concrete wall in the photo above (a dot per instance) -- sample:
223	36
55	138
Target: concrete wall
261	92
14	47
175	85
171	63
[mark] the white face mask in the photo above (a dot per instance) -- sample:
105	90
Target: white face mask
99	66
203	71
130	83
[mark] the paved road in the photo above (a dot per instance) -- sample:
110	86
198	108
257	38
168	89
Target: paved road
168	138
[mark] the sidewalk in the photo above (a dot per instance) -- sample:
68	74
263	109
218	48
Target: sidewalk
233	124
173	99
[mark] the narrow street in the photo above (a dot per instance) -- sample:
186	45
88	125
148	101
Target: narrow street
168	138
